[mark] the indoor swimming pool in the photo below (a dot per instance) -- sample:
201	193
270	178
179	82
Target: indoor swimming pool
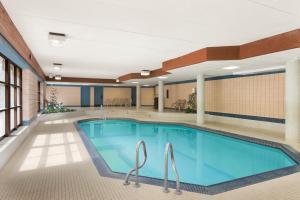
202	157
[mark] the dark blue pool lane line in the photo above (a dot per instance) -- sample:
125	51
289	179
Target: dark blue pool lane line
104	169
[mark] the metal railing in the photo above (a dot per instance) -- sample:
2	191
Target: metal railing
169	148
137	166
102	113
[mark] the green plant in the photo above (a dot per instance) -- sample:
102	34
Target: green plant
189	110
192	104
54	106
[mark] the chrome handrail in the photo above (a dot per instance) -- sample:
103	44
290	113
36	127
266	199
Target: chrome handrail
169	148
137	167
102	112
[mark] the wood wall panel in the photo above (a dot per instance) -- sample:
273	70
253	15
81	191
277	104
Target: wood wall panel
69	96
110	93
261	96
147	96
178	91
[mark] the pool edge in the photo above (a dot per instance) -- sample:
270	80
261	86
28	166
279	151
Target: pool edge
104	170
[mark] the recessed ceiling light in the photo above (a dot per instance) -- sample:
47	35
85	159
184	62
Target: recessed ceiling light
254	71
231	67
57	39
145	73
134	82
57	68
117	80
162	77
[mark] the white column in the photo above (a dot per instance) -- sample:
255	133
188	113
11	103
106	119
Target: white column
200	99
160	96
138	96
292	101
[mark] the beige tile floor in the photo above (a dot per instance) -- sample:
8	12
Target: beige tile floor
53	164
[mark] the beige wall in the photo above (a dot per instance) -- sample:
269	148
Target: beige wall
42	94
69	96
116	93
92	93
178	91
253	95
29	94
147	96
261	95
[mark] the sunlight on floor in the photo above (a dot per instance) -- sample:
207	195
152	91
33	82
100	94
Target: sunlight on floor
50	150
60	121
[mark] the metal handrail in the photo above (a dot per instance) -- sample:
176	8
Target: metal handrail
137	167
169	148
102	112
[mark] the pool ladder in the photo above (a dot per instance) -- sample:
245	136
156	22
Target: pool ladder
169	149
102	113
137	166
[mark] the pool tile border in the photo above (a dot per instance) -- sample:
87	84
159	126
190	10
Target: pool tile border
104	170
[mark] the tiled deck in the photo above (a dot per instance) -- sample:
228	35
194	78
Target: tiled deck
53	164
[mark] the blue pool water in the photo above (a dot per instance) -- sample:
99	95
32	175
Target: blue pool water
202	157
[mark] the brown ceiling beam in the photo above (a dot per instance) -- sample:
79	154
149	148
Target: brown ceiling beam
153	73
81	80
277	43
9	31
203	55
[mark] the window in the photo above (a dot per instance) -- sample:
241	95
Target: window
2	97
39	96
10	97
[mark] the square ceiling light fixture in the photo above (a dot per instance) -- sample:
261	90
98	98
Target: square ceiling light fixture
58	77
57	39
145	72
57	66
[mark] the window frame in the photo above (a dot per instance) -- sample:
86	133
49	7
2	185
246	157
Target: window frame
39	96
9	89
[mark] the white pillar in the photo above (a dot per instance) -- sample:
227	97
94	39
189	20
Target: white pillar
292	101
200	99
160	96
138	96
